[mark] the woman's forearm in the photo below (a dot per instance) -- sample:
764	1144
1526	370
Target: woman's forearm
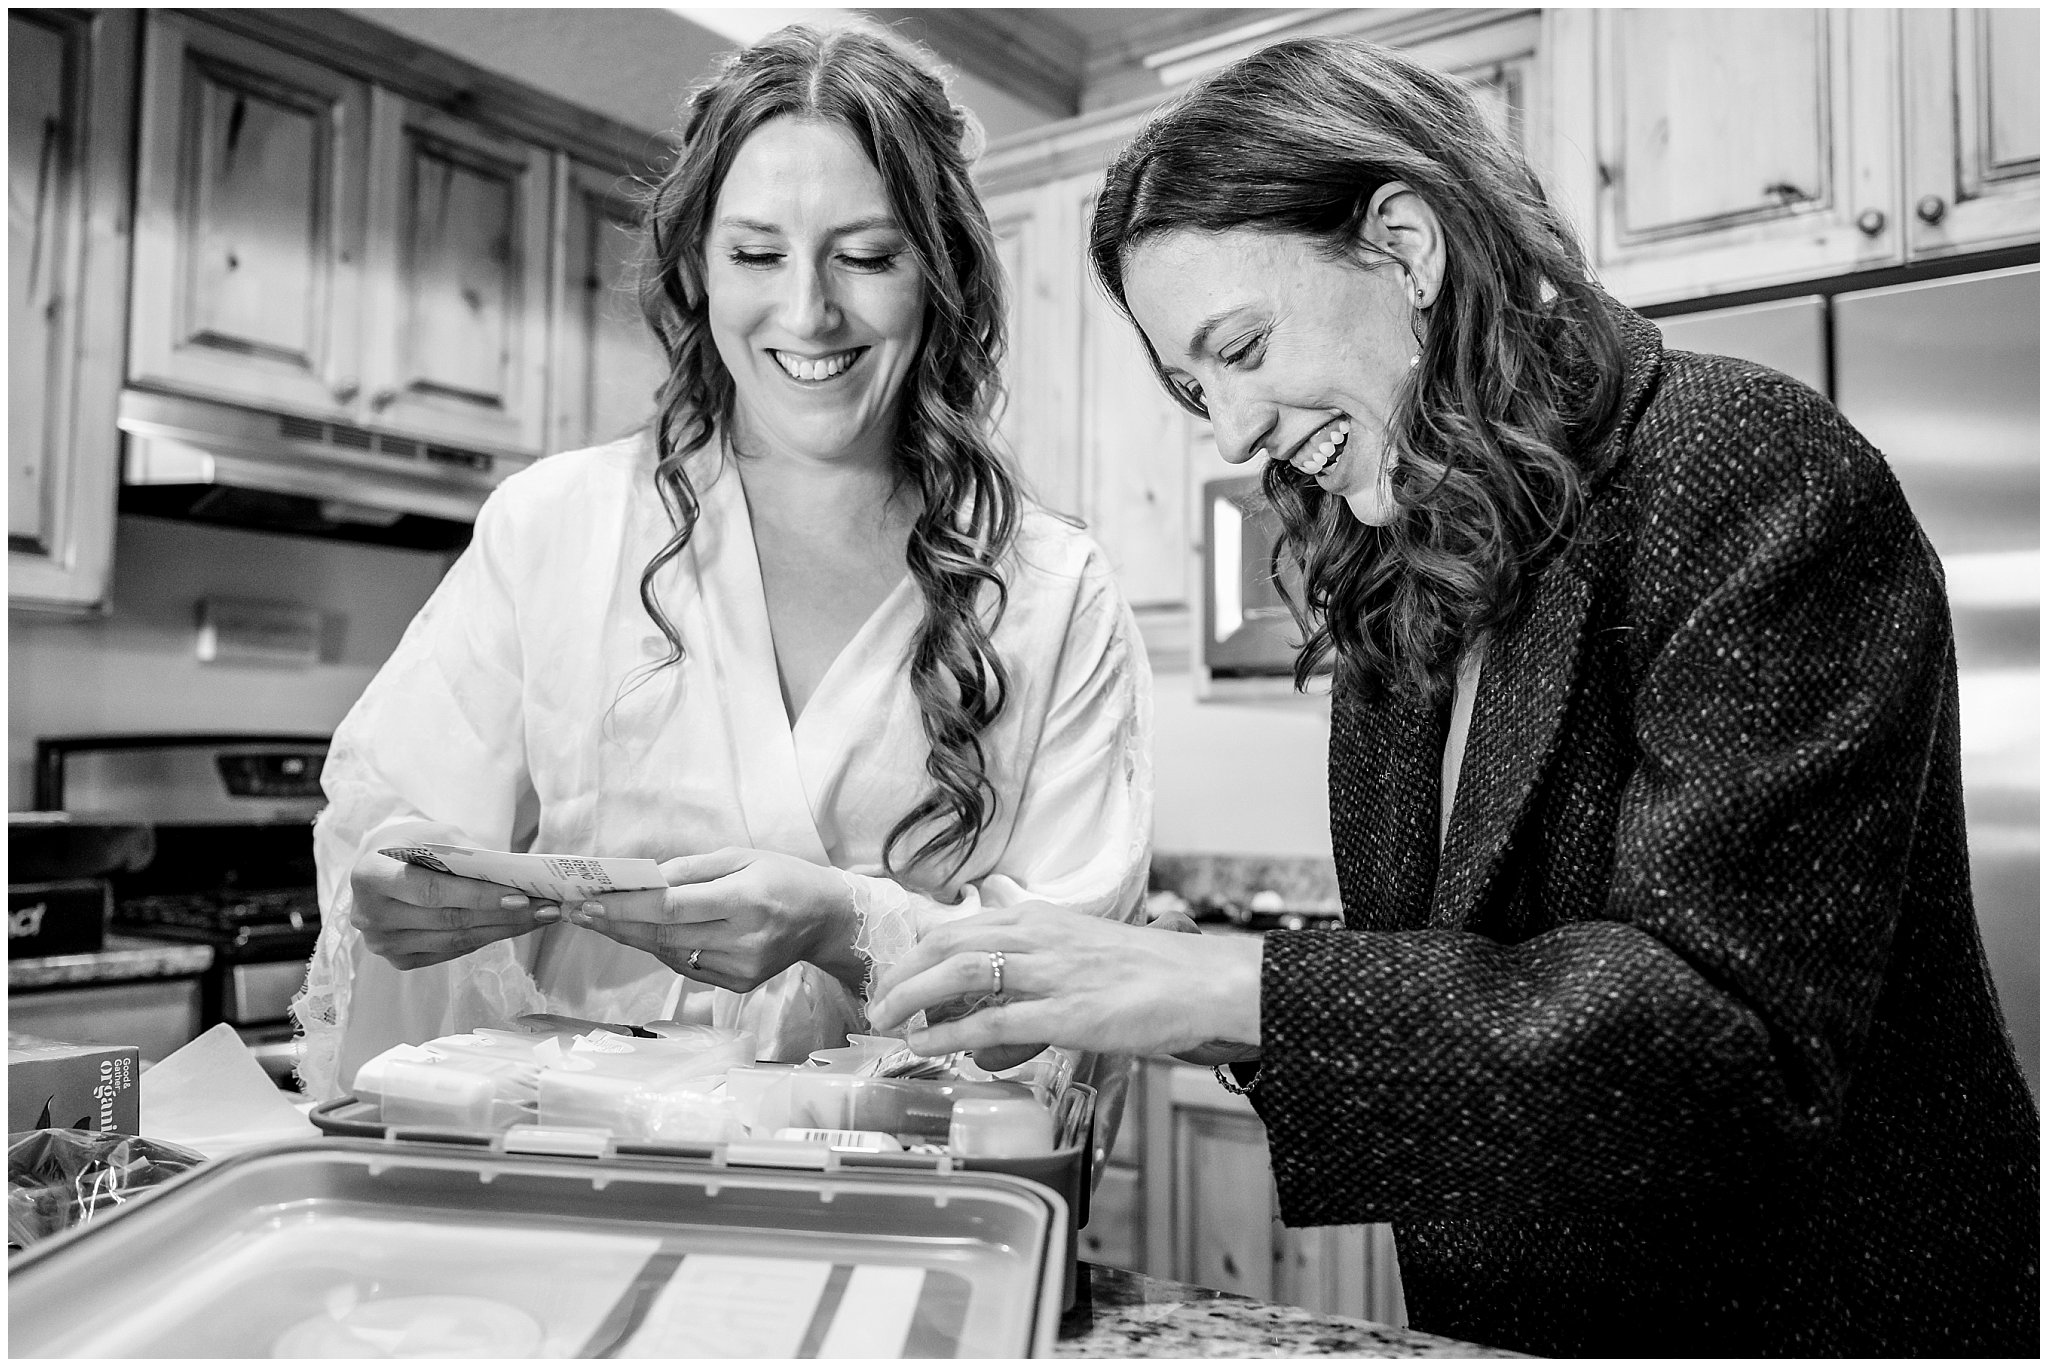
1234	991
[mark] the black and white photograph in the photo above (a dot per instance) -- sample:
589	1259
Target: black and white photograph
934	682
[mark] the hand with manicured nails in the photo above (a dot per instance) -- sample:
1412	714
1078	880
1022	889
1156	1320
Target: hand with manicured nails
415	917
745	916
1079	981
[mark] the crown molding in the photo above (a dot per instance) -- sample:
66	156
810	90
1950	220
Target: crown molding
1020	52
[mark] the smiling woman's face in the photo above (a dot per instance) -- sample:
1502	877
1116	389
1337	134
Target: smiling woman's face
816	306
1292	353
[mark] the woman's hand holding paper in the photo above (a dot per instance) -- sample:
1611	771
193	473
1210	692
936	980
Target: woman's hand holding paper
735	918
414	916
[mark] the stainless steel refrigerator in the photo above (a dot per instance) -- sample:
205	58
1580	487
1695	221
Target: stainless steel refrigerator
1943	376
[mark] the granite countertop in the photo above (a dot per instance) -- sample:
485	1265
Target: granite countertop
1120	1314
124	959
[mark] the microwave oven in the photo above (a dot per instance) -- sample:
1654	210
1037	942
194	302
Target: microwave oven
1248	636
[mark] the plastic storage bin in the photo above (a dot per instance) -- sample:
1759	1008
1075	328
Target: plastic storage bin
1066	1170
358	1248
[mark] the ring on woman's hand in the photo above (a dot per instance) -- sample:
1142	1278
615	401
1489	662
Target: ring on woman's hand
995	968
691	962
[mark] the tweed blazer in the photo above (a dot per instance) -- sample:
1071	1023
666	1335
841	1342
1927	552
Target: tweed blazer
1686	1043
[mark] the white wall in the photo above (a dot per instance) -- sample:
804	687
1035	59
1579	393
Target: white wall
1239	778
136	668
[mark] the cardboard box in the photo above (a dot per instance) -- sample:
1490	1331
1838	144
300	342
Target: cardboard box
72	1086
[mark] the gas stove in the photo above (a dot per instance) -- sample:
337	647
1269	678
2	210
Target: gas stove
233	864
227	917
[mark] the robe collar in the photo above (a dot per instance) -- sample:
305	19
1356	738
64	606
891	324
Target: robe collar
785	773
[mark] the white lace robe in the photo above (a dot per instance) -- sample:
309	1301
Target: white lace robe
523	710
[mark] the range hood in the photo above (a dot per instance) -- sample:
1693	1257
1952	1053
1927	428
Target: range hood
214	462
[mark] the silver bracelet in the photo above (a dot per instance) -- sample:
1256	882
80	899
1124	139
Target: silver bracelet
1230	1083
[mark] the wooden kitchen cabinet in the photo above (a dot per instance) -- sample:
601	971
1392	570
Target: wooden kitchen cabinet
1135	449
249	224
1211	1213
70	106
1092	432
456	274
1707	150
1973	120
310	243
1038	241
1114	1234
606	362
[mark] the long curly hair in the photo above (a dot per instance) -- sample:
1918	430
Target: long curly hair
1520	361
878	90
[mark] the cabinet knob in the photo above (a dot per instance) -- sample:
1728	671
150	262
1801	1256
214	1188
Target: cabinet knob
346	391
1931	209
1870	222
383	399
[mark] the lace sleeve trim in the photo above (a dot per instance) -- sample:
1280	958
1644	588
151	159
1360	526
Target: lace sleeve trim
887	932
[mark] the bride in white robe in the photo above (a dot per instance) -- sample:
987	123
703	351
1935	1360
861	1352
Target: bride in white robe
520	712
828	292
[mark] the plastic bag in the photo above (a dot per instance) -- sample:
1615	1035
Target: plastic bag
60	1178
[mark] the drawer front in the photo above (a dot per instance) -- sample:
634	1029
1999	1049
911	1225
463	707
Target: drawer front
155	1016
1114	1211
261	992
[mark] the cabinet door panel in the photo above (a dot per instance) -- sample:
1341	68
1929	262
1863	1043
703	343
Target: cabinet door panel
1111	1237
249	223
2009	44
1226	1231
71	121
1973	108
255	219
1135	446
1037	242
458	255
463	300
1724	115
608	364
38	58
1729	148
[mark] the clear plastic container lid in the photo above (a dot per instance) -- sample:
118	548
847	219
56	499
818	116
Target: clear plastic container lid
358	1249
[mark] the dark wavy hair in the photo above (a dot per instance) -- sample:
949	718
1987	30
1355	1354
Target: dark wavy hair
878	90
1521	362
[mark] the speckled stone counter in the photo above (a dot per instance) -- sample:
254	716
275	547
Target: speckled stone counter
1218	879
1121	1314
123	960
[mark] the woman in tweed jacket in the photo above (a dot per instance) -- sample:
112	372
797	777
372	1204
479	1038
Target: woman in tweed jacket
1673	1033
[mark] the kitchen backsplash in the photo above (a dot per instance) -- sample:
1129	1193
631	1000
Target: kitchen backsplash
135	668
1303	883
